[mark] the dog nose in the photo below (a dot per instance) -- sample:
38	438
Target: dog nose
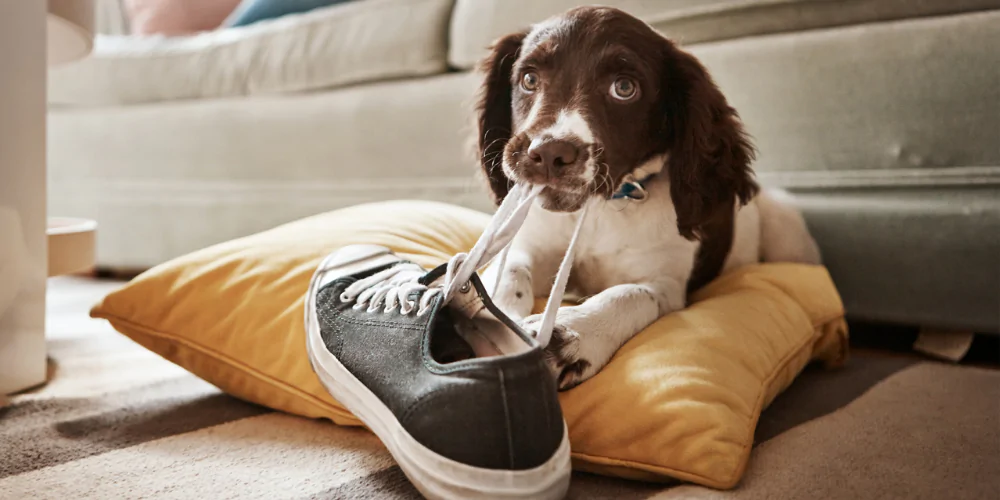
553	153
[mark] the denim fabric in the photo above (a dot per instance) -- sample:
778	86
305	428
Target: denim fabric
252	11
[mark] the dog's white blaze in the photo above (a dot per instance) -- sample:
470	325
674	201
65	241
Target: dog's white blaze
570	124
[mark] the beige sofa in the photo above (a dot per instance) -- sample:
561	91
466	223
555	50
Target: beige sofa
882	115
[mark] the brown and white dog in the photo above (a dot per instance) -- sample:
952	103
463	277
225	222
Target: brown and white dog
584	103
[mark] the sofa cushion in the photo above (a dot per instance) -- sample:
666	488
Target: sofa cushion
476	23
894	104
334	46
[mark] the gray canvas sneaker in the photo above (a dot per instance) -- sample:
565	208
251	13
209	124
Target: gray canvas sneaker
458	393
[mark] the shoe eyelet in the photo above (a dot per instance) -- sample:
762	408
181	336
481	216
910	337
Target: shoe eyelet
466	287
345	298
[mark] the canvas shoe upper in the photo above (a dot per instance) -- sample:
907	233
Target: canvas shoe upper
459	393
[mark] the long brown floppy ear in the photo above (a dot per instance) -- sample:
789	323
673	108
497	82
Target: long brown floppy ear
709	152
494	109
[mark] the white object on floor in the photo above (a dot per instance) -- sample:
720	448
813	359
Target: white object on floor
950	346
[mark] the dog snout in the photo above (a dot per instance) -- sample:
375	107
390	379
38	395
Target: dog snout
552	154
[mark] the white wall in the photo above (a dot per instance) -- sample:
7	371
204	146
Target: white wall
23	257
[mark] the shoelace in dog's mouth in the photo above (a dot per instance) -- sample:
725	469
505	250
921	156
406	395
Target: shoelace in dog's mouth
397	285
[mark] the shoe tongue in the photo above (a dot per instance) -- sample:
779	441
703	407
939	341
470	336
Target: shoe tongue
468	303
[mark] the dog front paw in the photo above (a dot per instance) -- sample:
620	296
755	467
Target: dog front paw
562	354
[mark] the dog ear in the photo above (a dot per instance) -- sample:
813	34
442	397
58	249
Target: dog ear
494	110
709	152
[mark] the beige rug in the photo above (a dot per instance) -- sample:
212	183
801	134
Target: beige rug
116	421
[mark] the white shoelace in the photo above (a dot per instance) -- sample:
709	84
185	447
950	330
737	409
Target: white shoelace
392	287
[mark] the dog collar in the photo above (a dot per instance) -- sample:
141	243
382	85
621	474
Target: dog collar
633	188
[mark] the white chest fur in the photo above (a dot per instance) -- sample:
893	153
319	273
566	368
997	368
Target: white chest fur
621	242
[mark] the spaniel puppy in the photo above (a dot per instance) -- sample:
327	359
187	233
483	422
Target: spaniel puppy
605	112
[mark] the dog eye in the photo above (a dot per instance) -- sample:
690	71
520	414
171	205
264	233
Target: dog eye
529	82
624	89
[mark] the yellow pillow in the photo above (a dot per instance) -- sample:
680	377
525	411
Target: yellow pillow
680	400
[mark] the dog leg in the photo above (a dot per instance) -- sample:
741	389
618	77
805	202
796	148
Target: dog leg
586	336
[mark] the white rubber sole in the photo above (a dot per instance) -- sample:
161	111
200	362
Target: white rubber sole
435	476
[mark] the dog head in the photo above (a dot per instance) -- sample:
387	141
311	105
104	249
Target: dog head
581	100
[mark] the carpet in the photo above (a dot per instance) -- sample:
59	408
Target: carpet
116	421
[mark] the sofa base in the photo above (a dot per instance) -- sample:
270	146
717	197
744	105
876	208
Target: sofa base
927	256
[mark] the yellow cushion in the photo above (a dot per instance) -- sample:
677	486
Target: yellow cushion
680	400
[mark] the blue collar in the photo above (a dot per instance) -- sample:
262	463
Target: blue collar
632	188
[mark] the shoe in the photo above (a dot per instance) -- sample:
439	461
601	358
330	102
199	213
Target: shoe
459	394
